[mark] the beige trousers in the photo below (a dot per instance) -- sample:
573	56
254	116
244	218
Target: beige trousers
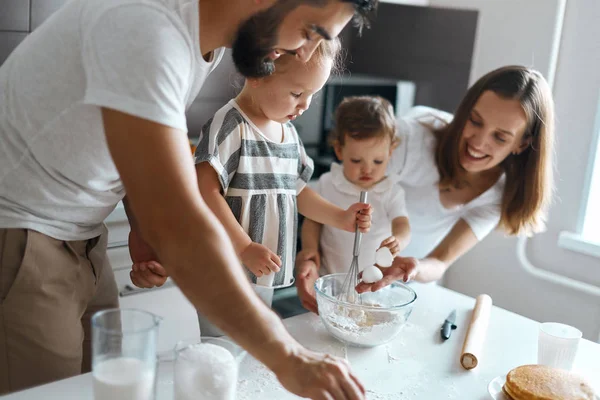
49	289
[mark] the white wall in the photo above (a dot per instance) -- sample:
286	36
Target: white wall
521	31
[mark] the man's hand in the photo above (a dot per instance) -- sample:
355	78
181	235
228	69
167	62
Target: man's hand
319	376
403	268
260	260
146	271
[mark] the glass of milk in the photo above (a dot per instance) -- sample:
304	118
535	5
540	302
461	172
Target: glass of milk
206	369
124	354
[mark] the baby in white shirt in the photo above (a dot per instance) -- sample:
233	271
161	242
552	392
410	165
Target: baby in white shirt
363	139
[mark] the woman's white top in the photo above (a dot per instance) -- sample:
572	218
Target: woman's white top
414	163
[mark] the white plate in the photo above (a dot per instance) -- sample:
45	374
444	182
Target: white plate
495	388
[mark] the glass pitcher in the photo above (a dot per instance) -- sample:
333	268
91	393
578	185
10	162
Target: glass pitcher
124	354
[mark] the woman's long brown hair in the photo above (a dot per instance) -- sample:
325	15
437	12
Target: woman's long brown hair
529	175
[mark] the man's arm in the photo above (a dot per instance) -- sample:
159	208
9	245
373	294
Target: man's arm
146	271
157	170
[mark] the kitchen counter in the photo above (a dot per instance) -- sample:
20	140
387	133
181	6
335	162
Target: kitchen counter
416	365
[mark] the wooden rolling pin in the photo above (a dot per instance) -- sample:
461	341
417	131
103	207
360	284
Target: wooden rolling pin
472	348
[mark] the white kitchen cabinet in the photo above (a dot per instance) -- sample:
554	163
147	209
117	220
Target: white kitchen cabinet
118	227
121	264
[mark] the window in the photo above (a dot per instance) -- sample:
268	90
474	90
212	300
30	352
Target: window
591	219
587	238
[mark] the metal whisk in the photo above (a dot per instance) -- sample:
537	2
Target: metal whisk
348	292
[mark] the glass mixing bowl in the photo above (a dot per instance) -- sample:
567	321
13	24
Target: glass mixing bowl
376	321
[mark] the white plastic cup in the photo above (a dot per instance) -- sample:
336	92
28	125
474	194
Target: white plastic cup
557	345
265	293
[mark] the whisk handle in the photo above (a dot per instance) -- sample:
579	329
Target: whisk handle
363	196
358	234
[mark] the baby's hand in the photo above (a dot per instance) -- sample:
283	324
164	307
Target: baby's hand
391	243
260	260
358	215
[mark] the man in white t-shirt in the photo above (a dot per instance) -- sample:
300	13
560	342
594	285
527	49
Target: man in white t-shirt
92	106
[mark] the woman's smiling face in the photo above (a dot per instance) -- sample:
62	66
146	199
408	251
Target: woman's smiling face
493	131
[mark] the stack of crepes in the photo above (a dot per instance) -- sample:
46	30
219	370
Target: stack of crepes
539	382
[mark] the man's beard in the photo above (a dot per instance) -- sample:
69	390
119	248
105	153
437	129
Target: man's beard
255	40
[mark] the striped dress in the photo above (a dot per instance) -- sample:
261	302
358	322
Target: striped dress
260	180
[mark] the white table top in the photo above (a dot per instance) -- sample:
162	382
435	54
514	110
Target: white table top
416	365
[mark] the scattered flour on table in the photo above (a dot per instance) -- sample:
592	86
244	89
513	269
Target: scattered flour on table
263	380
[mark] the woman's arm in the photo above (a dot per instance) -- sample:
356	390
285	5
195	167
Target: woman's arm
460	240
315	207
